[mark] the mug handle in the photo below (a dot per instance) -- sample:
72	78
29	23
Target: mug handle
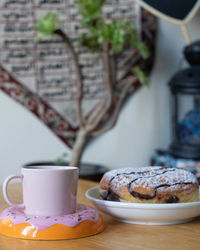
5	191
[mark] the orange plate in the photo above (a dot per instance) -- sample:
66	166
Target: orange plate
54	232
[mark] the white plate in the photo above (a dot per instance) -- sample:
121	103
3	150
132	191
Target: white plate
145	213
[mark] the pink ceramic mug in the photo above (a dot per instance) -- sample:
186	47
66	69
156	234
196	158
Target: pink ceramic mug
47	190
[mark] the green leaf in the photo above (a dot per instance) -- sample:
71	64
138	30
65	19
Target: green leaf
143	50
119	33
141	76
47	25
90	10
61	159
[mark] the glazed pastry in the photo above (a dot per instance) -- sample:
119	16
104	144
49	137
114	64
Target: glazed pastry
149	185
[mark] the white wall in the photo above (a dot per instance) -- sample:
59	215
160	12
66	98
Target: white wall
143	126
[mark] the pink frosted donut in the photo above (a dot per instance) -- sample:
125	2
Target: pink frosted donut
86	221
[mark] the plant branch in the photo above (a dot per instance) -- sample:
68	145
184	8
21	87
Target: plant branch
127	58
122	97
107	72
95	112
99	112
68	43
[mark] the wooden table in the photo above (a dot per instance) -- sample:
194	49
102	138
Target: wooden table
115	236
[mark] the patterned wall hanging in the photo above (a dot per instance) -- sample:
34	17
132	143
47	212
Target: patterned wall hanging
41	77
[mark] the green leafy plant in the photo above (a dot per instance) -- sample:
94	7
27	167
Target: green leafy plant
61	159
110	39
90	10
47	25
141	76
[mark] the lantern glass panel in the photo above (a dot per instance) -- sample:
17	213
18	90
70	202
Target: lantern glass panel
188	118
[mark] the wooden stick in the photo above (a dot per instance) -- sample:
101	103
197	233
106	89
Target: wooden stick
79	76
129	82
99	112
185	33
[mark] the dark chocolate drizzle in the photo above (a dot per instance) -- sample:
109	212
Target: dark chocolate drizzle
172	199
110	195
151	196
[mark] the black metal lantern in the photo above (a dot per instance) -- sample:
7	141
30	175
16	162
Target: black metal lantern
185	89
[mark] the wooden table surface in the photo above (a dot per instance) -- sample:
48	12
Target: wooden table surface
115	236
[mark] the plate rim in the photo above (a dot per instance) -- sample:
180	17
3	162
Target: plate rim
139	205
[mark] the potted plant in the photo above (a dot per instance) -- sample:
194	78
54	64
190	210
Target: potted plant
110	40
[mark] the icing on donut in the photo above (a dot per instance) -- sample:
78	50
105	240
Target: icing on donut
86	221
83	213
149	178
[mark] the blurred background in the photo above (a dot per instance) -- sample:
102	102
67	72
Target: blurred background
143	126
